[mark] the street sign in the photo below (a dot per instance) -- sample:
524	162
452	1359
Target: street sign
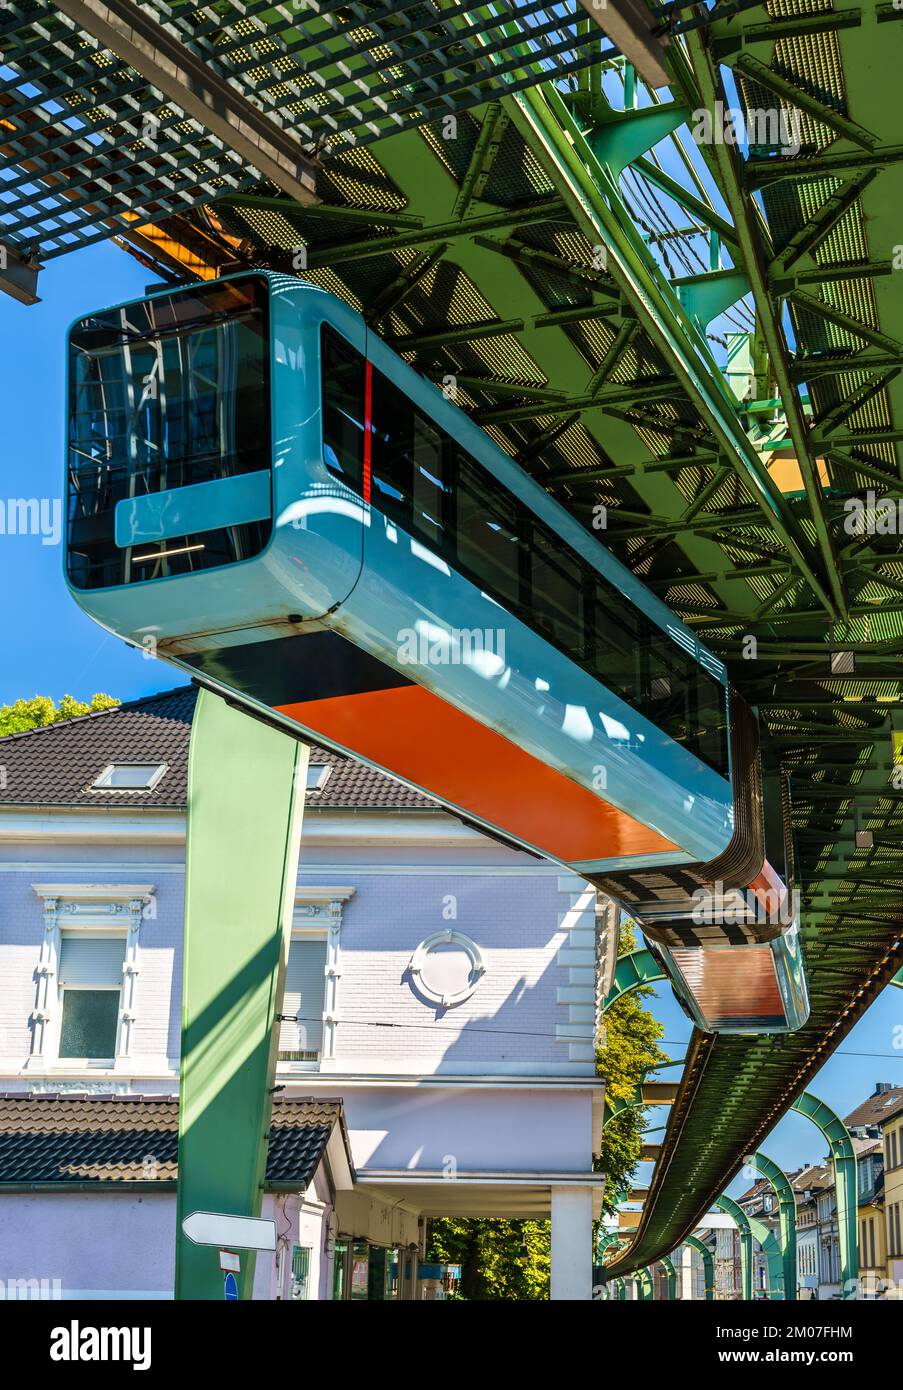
230	1288
229	1262
218	1228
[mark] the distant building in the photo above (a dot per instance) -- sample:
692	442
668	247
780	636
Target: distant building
871	1240
760	1203
808	1186
880	1120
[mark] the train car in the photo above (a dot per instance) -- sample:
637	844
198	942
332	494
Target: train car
264	494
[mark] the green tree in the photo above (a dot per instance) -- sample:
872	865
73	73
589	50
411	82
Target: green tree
511	1259
18	718
499	1259
631	1048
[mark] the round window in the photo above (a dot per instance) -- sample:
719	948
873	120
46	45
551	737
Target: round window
446	968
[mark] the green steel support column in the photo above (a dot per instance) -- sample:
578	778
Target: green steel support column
780	1184
728	1205
671	1275
245	799
605	1239
643	1279
771	1249
844	1157
708	1264
635	969
621	1288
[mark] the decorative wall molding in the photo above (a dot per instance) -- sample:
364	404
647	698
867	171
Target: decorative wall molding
117	908
420	968
318	911
579	955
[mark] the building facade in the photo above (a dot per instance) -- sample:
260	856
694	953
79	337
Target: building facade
877	1129
443	989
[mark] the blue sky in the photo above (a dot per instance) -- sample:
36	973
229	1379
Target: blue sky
50	648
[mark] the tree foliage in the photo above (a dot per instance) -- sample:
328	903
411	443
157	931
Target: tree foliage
39	711
631	1048
499	1259
511	1259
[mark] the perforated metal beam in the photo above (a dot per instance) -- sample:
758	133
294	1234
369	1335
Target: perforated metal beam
129	30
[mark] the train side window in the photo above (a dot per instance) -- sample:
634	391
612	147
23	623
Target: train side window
431	493
343	409
616	646
556	592
487	532
393	448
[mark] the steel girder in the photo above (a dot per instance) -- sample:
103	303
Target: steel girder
633	970
245	803
744	1230
780	1185
671	1275
843	1157
708	1264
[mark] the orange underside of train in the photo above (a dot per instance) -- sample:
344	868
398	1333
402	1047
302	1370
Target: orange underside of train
416	735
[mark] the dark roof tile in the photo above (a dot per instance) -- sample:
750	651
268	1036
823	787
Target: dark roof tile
48	1138
56	765
877	1110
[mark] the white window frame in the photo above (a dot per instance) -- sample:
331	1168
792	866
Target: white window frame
317	916
96	909
96	786
310	934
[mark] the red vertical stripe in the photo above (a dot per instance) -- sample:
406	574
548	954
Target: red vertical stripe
368	427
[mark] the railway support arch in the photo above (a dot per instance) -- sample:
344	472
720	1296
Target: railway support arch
843	1157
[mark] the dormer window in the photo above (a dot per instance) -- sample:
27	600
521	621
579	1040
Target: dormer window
318	775
129	777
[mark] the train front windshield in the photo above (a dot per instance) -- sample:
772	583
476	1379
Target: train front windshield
168	394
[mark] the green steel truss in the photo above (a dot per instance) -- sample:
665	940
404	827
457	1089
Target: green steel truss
708	1264
498	240
745	1232
780	1186
843	1159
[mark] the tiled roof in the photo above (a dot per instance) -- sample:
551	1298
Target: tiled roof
814	1179
759	1189
877	1110
56	765
114	1139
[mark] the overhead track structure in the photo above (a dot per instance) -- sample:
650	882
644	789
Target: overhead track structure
523	240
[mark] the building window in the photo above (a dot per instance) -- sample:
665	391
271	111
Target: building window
89	1024
301	1032
90	979
129	777
318	775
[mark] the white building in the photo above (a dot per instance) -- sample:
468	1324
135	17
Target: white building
445	992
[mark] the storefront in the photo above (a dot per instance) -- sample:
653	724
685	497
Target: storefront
373	1272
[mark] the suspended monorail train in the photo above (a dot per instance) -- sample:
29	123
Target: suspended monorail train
261	492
